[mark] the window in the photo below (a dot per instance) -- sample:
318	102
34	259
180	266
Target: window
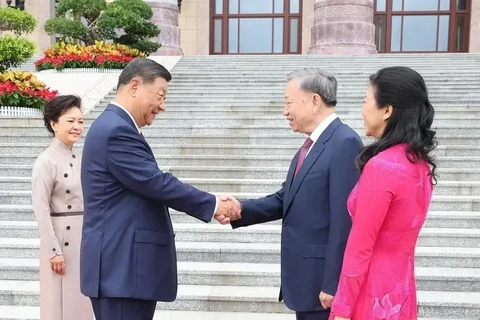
421	26
255	27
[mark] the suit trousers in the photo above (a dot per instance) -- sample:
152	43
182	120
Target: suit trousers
123	309
316	315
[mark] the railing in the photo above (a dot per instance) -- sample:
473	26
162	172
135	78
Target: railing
19	112
19	4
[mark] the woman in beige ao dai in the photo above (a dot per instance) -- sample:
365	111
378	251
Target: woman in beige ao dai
58	206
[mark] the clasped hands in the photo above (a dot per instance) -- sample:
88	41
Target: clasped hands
228	210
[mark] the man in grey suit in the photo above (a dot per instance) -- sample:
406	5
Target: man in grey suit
312	201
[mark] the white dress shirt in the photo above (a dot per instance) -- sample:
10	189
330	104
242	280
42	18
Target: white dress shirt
320	129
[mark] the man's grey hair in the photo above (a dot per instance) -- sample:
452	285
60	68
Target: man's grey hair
317	81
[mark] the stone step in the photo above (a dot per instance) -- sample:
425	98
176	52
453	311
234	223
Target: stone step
238	185
446	257
472	128
236	160
260	274
276	121
242	134
191	116
227	172
191	232
343	95
324	60
435	219
33	313
182	137
179	90
444	174
255	299
237	78
337	61
354	67
269	84
175	112
439	203
246	149
272	70
275	100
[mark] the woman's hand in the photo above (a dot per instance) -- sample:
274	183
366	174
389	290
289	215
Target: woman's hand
57	264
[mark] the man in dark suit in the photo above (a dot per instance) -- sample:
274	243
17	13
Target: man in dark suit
128	259
312	202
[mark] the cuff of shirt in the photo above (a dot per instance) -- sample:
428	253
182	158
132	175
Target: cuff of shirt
216	207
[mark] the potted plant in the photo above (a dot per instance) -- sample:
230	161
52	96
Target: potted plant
21	93
100	56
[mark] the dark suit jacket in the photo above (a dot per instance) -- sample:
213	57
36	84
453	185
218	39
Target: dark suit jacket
315	219
128	247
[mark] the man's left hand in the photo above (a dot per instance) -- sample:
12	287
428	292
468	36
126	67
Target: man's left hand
326	300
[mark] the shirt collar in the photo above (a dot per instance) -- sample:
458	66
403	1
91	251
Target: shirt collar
322	126
129	114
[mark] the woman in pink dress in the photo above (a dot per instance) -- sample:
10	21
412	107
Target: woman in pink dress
390	201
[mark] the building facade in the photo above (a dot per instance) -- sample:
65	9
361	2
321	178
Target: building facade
203	27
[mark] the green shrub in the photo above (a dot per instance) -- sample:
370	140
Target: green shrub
14	51
17	21
122	21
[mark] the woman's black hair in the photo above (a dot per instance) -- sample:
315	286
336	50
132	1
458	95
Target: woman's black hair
57	107
412	116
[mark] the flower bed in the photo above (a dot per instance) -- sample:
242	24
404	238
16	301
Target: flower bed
23	89
101	55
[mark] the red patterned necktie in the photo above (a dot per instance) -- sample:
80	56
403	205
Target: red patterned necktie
303	153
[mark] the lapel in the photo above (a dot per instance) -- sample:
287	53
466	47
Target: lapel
311	158
128	119
291	171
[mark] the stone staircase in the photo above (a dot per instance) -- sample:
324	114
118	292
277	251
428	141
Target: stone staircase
29	65
224	132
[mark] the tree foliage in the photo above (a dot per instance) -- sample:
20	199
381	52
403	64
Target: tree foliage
15	50
17	21
122	21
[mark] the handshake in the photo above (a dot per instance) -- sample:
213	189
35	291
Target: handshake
229	209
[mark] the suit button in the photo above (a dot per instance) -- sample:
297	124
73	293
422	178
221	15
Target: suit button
68	227
73	156
69	207
65	175
53	249
68	191
285	223
66	244
71	164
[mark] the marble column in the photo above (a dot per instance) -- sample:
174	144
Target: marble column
343	27
475	28
165	16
